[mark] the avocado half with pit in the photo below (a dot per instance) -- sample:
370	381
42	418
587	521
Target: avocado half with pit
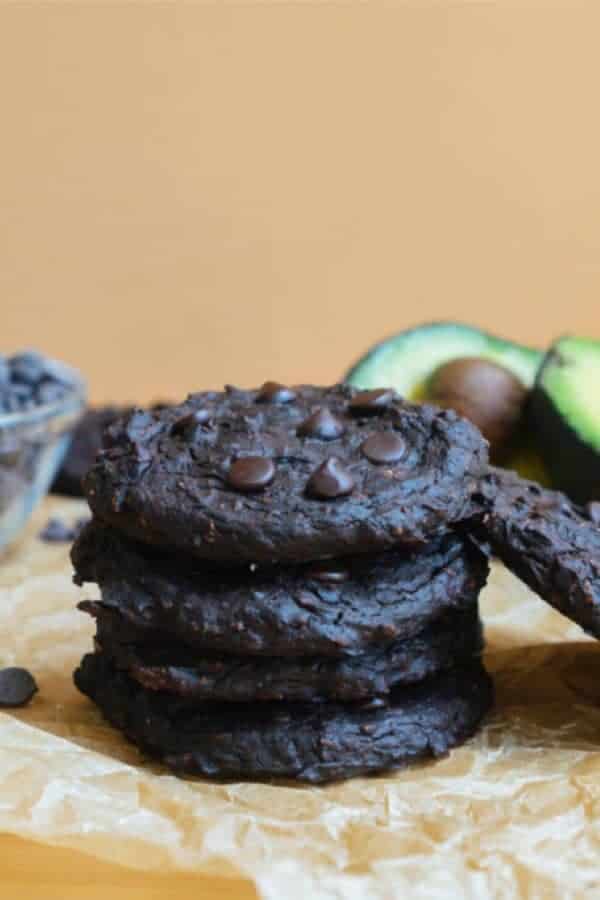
565	413
410	360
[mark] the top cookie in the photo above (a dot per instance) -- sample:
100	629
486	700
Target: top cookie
287	474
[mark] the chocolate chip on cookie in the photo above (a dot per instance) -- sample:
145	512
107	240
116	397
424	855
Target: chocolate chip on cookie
384	448
252	473
322	425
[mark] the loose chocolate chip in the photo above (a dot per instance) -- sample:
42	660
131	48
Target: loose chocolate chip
330	480
273	392
593	511
251	473
56	531
384	448
186	426
329	573
323	425
17	687
370	403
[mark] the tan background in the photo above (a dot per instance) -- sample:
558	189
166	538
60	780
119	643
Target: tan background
198	194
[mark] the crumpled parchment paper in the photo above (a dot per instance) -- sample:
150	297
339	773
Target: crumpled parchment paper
515	813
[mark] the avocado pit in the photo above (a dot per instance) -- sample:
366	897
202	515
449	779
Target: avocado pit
486	393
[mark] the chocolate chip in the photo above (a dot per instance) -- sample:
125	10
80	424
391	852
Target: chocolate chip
329	573
307	601
593	511
370	403
323	425
56	531
371	703
17	687
384	448
273	392
28	380
49	392
330	480
186	426
251	473
27	368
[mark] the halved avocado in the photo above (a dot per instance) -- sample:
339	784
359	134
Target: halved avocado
408	360
565	413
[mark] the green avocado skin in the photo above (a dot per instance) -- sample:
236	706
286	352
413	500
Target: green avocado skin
573	465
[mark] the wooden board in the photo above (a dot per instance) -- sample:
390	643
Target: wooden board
34	872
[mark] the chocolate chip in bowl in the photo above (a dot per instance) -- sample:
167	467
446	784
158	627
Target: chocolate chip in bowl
41	401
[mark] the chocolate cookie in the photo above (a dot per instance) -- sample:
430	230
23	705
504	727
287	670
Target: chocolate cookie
547	541
287	474
316	742
162	666
85	444
333	609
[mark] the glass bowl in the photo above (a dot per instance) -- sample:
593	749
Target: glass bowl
32	448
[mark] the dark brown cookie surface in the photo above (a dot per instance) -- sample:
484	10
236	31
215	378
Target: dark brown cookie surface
85	444
175	669
328	609
316	742
547	541
287	475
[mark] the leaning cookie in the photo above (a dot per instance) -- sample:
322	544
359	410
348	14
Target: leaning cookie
335	609
547	541
180	671
287	475
315	742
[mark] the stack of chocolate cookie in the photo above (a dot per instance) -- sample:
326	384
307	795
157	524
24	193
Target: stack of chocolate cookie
287	586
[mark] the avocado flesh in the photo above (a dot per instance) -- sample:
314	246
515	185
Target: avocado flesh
565	413
407	361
